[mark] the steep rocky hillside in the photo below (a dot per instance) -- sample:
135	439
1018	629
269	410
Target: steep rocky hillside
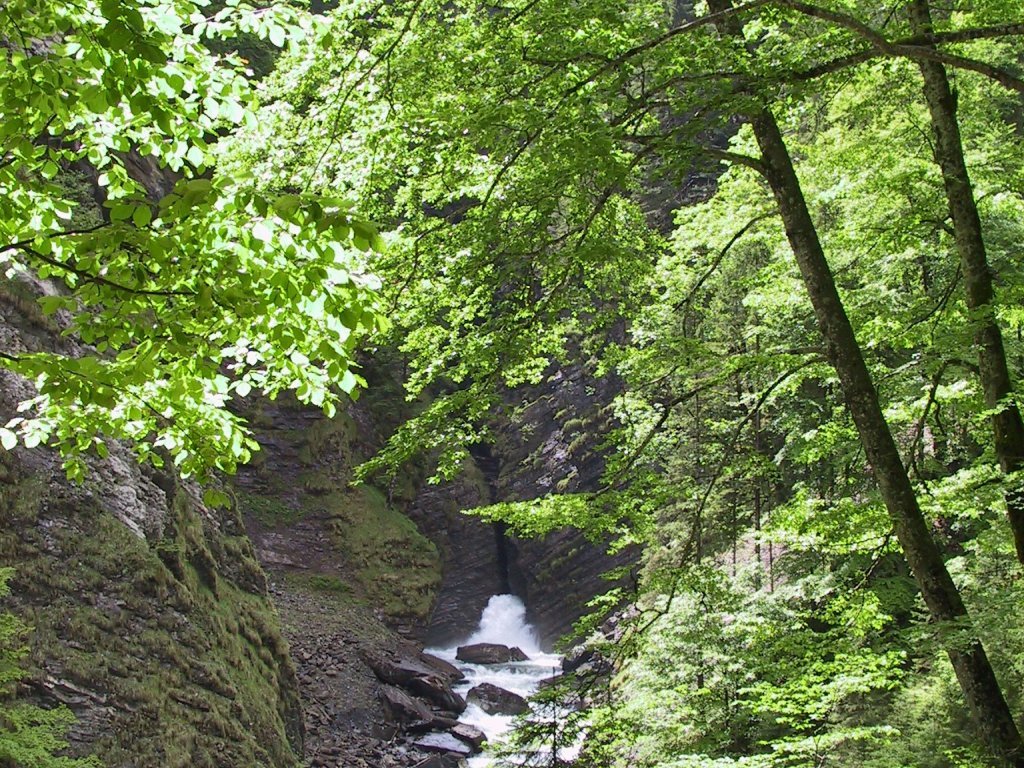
151	616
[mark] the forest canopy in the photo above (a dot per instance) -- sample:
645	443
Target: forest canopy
180	288
791	231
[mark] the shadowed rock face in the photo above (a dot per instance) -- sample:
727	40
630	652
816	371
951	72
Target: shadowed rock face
150	614
548	446
544	444
471	553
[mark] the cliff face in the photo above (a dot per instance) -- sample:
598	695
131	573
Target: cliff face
150	613
406	548
474	564
549	445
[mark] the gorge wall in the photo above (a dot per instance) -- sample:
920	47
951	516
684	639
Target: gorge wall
150	615
153	617
405	547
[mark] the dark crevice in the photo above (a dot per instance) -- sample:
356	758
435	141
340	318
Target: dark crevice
501	542
509	576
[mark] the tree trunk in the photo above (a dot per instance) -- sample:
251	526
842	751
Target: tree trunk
973	670
1007	426
977	679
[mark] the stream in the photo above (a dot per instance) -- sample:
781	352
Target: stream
503	621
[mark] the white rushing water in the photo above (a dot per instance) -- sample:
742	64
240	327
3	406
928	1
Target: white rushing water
503	621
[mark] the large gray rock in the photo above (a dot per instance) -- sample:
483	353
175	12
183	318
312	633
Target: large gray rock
402	708
443	668
419	677
489	653
469	734
443	742
438	691
497	701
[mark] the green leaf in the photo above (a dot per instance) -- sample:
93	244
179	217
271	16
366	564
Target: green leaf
142	216
50	304
348	382
286	205
195	156
261	232
8	439
122	211
215	498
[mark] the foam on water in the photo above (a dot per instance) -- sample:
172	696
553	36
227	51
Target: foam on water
503	621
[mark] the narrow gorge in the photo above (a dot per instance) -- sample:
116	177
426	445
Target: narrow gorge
520	384
174	641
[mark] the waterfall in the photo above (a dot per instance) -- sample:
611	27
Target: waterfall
503	621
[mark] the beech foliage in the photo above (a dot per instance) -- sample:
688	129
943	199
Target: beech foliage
180	288
751	214
606	177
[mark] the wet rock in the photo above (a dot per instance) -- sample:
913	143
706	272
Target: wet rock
418	677
469	734
403	708
471	552
441	761
439	692
497	701
577	657
489	653
449	671
443	742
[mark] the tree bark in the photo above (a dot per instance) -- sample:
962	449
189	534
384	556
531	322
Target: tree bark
970	662
973	670
1007	426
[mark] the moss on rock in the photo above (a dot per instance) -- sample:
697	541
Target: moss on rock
398	568
168	650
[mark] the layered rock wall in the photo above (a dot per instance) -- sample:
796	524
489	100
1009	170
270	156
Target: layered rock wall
149	612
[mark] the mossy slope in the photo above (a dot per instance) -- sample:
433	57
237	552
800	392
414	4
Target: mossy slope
167	649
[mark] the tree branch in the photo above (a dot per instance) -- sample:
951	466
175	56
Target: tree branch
97	279
692	294
915	47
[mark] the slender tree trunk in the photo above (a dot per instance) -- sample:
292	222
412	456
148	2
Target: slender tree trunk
1007	426
973	670
977	679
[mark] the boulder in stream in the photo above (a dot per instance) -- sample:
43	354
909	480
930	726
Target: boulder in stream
497	701
443	668
443	742
489	653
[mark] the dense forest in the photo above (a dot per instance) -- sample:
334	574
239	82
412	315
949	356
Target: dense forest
785	235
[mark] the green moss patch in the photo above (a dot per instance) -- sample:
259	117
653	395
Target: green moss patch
397	567
179	651
270	511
